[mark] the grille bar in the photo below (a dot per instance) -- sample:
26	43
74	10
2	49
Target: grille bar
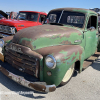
23	62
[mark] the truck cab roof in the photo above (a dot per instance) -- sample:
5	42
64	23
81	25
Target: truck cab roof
81	10
35	12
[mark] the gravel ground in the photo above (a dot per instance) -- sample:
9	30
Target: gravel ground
84	86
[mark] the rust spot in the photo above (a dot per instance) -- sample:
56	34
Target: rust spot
34	47
66	42
73	58
79	34
37	87
28	43
5	72
54	37
51	89
63	60
68	63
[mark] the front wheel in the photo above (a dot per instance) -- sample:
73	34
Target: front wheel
68	75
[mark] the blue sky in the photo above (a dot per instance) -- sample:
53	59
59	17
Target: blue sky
46	5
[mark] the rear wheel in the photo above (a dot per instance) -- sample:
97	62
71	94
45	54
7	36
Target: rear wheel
68	75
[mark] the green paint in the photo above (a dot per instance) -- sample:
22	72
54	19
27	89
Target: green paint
54	40
63	52
48	30
60	70
63	29
7	41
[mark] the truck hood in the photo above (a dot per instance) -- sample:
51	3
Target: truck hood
47	35
14	22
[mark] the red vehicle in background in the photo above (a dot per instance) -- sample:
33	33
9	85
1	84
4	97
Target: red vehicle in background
24	19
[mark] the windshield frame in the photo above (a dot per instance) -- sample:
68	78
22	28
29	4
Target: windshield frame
62	12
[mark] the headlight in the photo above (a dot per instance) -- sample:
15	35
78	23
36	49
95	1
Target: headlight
50	62
1	42
12	30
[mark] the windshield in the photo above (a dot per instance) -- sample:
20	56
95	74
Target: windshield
30	16
66	17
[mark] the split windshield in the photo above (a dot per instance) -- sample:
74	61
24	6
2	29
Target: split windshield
66	17
30	16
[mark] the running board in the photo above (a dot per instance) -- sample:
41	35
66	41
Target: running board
90	60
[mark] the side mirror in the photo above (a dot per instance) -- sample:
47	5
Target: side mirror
92	28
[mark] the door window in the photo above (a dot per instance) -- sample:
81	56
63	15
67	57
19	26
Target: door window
42	18
92	23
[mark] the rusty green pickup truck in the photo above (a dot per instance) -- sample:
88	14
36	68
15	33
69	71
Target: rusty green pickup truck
44	57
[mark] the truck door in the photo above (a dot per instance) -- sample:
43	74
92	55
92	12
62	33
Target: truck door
91	36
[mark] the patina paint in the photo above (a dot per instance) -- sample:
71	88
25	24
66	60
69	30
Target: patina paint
62	36
90	37
63	64
67	44
65	56
43	38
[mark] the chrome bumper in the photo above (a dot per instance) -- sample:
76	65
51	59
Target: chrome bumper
38	86
3	35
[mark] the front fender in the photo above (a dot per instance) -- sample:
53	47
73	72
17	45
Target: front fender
65	56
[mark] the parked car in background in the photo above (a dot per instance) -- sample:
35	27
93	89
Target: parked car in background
23	20
7	15
12	15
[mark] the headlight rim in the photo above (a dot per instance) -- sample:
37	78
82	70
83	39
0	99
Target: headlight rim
54	65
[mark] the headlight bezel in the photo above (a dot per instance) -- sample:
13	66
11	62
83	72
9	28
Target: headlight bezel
54	62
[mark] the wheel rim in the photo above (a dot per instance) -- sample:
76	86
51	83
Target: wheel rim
68	74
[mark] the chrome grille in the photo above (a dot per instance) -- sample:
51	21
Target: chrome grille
23	62
6	29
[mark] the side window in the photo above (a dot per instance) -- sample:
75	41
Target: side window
42	18
92	23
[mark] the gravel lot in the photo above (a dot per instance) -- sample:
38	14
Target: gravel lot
84	86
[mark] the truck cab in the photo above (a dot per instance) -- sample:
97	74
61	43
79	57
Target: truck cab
8	27
53	51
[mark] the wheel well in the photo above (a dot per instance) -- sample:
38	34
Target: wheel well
77	66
